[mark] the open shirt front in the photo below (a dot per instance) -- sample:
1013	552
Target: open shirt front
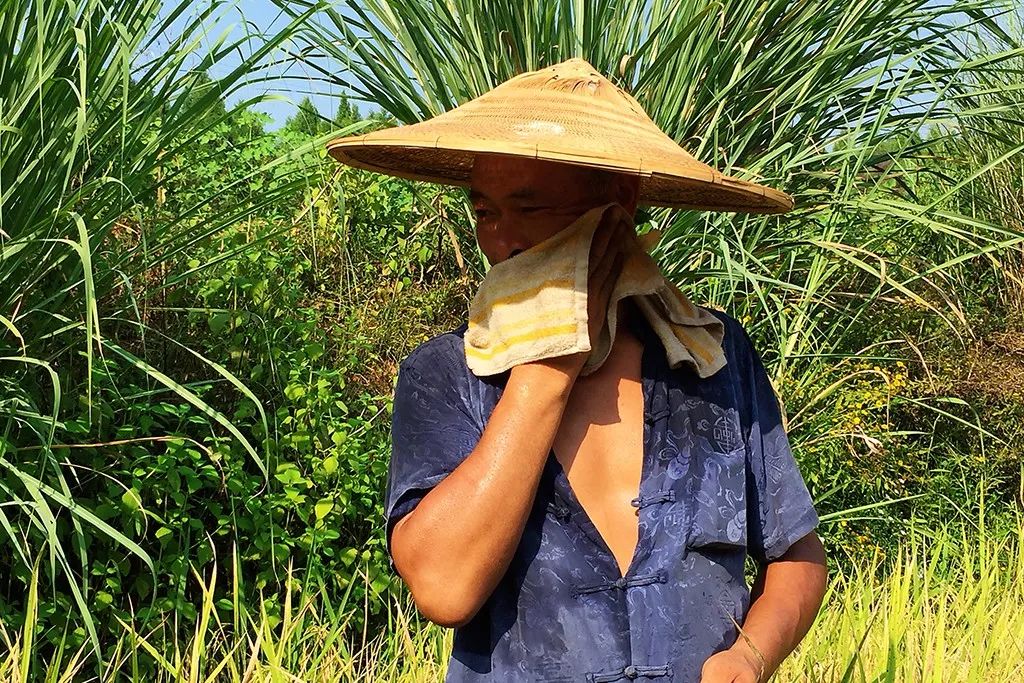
718	482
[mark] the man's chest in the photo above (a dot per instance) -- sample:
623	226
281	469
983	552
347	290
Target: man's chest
640	470
600	446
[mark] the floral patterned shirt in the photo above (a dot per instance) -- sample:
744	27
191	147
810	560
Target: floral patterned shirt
718	483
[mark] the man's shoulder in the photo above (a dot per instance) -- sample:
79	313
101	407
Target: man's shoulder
742	359
435	372
727	319
444	351
735	339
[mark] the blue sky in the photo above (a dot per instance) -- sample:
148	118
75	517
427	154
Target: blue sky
264	16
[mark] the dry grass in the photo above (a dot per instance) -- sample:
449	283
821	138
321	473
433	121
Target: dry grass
947	608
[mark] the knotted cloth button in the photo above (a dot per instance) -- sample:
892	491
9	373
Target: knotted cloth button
620	582
630	672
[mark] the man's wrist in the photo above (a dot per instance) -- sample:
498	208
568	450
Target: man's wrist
752	656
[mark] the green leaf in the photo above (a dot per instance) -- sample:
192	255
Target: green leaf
104	599
218	321
132	500
323	508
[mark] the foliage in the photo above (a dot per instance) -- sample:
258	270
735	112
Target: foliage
264	311
93	107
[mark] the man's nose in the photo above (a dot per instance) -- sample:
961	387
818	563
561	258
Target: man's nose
515	249
510	242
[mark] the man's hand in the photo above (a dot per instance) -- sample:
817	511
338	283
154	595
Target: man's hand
734	665
785	600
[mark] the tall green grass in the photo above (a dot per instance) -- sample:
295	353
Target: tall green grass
948	607
95	96
997	145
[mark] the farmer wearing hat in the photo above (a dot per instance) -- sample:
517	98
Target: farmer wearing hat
512	506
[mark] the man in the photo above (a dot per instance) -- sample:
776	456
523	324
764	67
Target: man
512	508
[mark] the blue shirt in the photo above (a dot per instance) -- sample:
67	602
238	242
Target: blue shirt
718	483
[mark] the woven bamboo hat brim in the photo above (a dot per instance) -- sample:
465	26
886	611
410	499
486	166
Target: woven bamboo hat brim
567	112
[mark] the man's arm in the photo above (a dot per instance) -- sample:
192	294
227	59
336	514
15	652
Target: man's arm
454	547
786	597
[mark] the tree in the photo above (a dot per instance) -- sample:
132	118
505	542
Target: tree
347	113
201	87
381	119
308	119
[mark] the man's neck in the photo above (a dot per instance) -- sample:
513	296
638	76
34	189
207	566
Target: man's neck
628	338
628	317
623	357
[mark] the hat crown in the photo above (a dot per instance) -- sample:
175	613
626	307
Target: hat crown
575	76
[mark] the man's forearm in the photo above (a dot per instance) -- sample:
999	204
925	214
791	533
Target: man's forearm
454	547
786	597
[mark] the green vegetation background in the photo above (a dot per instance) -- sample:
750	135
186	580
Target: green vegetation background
202	319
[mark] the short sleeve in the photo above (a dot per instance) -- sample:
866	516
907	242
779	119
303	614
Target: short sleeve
780	510
432	428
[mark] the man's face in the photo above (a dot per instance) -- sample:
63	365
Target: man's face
522	202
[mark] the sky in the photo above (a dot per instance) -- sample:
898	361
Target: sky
264	16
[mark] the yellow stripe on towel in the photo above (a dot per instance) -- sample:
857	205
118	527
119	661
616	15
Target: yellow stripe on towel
526	336
531	319
523	295
692	343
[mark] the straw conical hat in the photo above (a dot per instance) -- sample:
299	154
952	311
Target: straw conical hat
567	112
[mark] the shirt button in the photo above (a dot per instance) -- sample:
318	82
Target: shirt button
630	672
620	582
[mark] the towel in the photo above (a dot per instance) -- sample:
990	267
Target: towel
534	306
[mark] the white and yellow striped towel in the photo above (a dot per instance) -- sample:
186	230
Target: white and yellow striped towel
534	306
